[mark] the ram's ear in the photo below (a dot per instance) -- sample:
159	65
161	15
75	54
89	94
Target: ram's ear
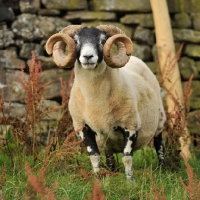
125	48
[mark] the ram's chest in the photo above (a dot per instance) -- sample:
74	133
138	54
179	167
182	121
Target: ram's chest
102	117
98	117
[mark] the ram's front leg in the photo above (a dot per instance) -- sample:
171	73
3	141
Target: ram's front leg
89	140
130	138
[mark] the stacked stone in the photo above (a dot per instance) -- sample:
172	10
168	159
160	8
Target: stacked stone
25	25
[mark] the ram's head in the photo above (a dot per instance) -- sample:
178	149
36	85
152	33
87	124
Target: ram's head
89	46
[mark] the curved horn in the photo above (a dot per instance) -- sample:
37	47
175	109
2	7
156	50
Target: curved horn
124	45
125	48
56	45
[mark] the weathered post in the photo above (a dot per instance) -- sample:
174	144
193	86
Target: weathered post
166	55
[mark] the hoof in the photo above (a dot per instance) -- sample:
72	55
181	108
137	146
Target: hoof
130	179
162	165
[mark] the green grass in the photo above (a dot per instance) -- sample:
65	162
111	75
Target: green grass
72	186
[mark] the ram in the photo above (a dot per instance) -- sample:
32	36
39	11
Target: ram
115	99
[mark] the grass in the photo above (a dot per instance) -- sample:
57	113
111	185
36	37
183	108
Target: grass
71	184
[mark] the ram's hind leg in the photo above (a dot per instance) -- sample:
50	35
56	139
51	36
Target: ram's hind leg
130	138
159	146
89	140
110	161
158	143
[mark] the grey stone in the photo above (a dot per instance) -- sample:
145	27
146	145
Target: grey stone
27	48
49	12
192	119
126	29
31	27
187	68
154	66
195	87
186	35
48	105
144	35
7	14
17	109
142	51
65	4
119	6
176	6
154	52
2	80
54	75
143	20
29	6
182	20
179	47
195	97
198	66
192	50
10	60
14	4
196	21
13	89
195	103
46	62
6	36
19	43
89	16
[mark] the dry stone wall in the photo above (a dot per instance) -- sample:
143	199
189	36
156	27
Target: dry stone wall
25	25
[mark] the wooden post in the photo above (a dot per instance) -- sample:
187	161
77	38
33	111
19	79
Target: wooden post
167	56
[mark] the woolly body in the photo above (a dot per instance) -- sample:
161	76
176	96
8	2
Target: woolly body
106	98
115	101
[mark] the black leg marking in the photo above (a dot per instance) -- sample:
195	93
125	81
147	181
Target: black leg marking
159	146
130	138
90	140
118	128
110	162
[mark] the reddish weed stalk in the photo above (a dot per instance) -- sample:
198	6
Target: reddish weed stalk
175	127
35	110
97	193
39	184
176	122
193	187
4	112
169	67
65	126
155	190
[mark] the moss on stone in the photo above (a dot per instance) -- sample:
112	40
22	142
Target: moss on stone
187	6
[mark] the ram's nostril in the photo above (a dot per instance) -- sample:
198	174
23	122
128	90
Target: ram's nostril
88	57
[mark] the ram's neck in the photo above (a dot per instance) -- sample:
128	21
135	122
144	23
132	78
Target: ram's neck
97	83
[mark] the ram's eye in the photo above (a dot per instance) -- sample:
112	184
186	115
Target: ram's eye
75	41
103	42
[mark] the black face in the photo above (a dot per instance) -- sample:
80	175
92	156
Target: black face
89	45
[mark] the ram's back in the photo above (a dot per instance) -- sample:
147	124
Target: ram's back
150	103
